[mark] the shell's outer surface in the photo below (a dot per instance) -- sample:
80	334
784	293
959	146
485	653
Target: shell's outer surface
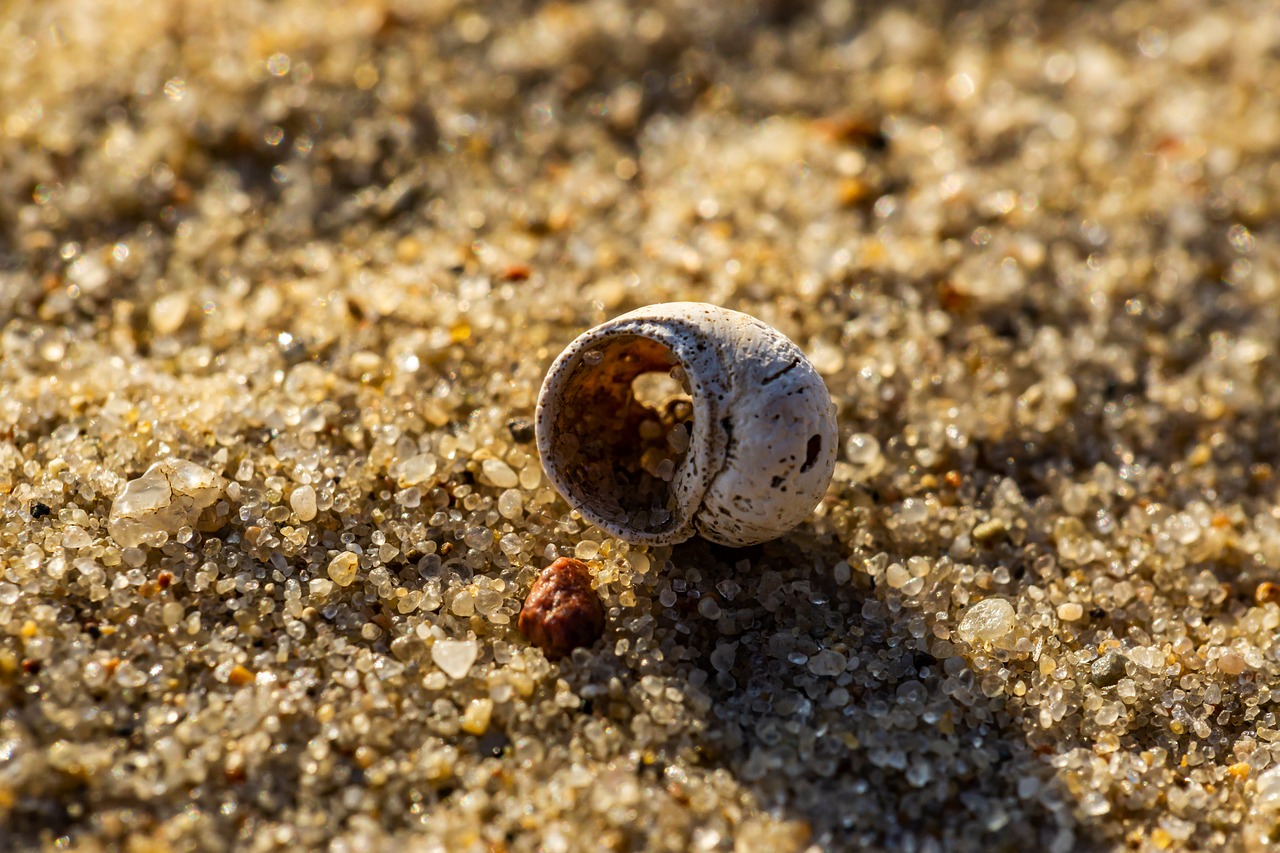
762	439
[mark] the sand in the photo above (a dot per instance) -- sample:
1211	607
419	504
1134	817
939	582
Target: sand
279	283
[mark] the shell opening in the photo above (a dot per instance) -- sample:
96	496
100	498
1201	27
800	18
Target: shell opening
623	429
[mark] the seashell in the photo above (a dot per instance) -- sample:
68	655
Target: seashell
739	445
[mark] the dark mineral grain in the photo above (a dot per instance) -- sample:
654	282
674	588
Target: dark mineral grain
1108	669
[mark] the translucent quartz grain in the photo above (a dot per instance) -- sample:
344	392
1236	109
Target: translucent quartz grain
303	502
455	657
416	469
913	511
343	567
723	656
168	312
463	604
861	449
475	719
827	663
171	494
76	537
1147	657
988	621
511	504
499	473
1231	662
896	576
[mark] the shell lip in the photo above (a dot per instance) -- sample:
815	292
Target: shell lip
693	472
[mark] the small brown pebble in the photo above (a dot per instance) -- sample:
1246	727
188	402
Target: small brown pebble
164	580
240	676
850	130
562	611
850	191
1267	591
953	300
516	272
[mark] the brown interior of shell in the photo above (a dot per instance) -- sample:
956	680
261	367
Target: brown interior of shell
622	430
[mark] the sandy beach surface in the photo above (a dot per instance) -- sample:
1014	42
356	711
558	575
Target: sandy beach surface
279	283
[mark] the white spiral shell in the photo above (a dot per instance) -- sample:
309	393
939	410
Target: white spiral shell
761	445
